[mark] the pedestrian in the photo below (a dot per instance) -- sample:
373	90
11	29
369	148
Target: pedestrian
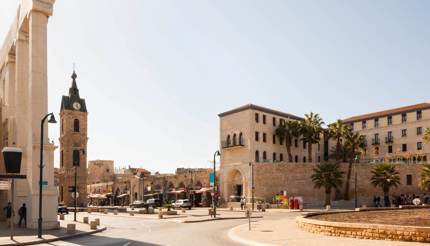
378	201
8	212
375	204
22	212
242	203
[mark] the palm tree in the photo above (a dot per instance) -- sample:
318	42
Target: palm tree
354	142
327	175
425	178
336	131
385	176
426	137
288	131
310	129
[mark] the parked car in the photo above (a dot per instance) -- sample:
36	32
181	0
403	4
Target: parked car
137	204
62	209
183	203
155	203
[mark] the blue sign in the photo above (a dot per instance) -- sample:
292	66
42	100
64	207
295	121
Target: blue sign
211	178
44	183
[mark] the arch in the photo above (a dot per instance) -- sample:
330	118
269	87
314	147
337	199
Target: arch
76	125
240	138
234	139
170	186
235	185
228	140
257	156
274	157
264	156
181	185
198	185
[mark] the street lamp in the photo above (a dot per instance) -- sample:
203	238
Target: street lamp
252	185
217	153
42	123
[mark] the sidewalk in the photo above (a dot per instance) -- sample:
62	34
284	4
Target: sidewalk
29	237
285	232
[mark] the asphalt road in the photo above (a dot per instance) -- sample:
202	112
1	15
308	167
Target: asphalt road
133	231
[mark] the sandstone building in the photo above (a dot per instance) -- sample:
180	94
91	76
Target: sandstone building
24	102
73	146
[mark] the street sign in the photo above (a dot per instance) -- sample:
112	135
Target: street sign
44	183
211	178
4	185
72	188
77	195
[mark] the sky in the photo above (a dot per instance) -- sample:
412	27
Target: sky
155	74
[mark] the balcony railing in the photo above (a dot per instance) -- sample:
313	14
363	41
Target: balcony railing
225	144
376	141
389	139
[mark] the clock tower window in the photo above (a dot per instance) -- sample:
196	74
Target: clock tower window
76	125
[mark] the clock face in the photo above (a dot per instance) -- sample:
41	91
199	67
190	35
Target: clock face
76	105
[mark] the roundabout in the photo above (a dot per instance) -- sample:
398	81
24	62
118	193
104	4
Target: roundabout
405	224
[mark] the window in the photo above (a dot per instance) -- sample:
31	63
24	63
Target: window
281	157
390	134
304	159
62	126
264	119
319	158
419	131
61	159
264	156
419	146
76	157
296	143
228	140
274	139
282	122
363	124
264	137
257	135
404	147
234	140
274	157
240	139
76	125
274	121
257	117
296	159
419	115
281	141
408	179
376	122
404	118
304	145
257	156
389	120
390	149
376	150
404	133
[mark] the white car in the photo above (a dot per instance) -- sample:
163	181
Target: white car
183	203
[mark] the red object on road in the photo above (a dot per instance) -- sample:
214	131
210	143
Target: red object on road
296	203
292	203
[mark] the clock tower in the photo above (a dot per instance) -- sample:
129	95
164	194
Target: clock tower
73	147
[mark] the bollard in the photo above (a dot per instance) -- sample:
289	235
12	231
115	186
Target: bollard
210	211
97	221
183	210
89	210
160	213
327	207
85	220
61	216
105	211
115	212
71	228
231	208
93	225
131	213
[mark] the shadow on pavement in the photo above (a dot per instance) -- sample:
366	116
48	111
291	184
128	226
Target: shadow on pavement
100	240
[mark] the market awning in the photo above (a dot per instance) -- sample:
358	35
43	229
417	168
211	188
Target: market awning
97	196
204	189
122	195
176	191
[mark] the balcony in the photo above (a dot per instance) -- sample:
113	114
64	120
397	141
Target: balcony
376	141
226	145
389	139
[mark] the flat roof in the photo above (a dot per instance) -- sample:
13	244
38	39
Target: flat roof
388	112
262	109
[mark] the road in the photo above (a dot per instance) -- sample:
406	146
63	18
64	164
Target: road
133	231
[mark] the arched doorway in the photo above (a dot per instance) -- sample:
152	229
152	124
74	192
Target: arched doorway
235	184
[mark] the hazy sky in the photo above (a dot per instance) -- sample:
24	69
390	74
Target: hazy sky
155	74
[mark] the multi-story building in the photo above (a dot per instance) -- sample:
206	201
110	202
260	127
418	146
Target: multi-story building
100	171
394	135
247	137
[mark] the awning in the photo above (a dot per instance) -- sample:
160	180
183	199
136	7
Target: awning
97	196
176	191
122	195
203	190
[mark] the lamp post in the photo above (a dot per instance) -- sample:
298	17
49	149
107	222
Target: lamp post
42	123
252	185
217	153
142	176
355	182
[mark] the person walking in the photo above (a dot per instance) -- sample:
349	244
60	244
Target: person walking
242	203
22	212
8	213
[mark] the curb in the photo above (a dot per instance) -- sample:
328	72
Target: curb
58	238
231	234
222	218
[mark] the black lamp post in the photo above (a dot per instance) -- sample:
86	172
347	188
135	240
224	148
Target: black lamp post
252	185
215	189
42	123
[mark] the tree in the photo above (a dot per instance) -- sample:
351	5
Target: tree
328	176
425	178
288	131
310	129
354	142
337	131
426	137
385	176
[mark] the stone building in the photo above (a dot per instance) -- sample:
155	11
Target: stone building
394	135
73	146
100	171
24	102
250	153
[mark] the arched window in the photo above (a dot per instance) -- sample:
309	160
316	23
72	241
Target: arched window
304	159
257	156
76	157
274	157
264	156
76	125
240	139
296	159
228	140
234	140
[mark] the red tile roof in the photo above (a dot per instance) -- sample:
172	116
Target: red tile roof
388	112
